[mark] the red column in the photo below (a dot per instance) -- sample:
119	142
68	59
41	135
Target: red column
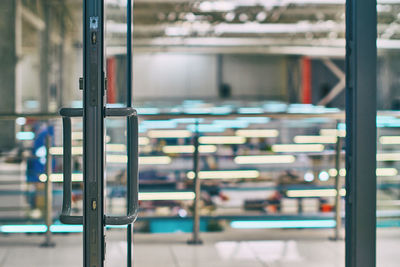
306	80
111	80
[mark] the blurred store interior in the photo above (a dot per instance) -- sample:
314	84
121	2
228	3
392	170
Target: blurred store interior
259	84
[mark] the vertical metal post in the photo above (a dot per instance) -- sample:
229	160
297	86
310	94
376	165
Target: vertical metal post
361	52
300	205
93	140
338	186
10	22
129	75
61	48
44	59
197	189
48	196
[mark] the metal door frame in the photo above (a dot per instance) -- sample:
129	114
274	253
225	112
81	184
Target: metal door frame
93	132
361	90
94	112
361	60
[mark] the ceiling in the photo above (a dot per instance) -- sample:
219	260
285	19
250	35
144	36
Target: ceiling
303	27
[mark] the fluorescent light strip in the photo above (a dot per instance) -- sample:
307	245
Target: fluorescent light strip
187	120
237	174
189	149
10	229
298	148
116	148
333	132
389	140
197	110
58	177
265	159
222	140
177	196
55	228
254	120
315	193
78	150
257	133
226	6
379	172
178	149
23	229
386	172
221	110
41	228
151	160
170	134
272	28
158	124
62	228
248	110
59	150
315	139
283	224
149	196
388	157
144	141
156	160
25	136
144	111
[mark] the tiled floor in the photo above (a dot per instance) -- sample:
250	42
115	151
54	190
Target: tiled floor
262	248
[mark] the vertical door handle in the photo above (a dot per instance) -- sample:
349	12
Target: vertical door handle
133	166
132	173
66	216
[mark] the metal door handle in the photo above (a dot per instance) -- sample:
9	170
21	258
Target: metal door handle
133	166
65	216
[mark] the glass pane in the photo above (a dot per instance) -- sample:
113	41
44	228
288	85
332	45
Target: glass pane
388	190
116	52
41	51
254	79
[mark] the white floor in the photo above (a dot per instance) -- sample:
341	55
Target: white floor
258	248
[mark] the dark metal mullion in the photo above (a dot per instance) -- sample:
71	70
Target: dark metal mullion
93	117
361	54
129	104
129	68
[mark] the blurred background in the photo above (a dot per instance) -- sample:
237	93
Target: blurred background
261	84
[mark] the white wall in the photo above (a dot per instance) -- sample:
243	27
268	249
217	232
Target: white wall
163	75
174	76
255	75
30	82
